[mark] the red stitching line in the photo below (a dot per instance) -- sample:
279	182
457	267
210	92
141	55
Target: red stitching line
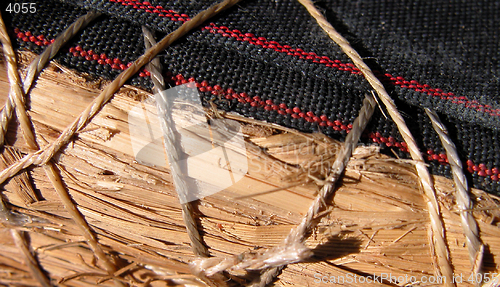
147	7
481	169
389	141
78	51
325	60
256	101
268	105
297	52
337	125
28	37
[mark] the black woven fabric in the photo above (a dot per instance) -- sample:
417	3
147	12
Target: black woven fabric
270	60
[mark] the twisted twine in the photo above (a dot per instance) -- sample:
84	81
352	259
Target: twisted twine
293	250
298	234
44	155
173	154
37	65
464	204
16	101
438	232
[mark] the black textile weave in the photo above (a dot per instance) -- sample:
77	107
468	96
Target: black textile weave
268	59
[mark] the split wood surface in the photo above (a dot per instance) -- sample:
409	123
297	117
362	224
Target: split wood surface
377	221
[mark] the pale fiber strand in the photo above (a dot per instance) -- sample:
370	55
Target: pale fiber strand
292	250
464	204
50	150
39	63
41	60
173	155
171	140
7	111
275	257
437	226
358	126
16	96
298	233
49	168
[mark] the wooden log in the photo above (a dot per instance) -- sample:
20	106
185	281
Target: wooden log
376	223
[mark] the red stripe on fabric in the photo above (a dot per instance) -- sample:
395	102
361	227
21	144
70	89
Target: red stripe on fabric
28	37
158	9
337	125
351	68
297	52
481	169
325	60
78	51
268	105
256	101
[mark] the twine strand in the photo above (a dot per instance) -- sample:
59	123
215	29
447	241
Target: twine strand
37	65
338	167
293	249
16	100
31	261
34	69
44	155
464	204
437	227
173	154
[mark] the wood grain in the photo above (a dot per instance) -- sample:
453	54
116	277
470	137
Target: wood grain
377	221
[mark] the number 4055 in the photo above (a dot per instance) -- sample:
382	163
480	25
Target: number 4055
21	8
